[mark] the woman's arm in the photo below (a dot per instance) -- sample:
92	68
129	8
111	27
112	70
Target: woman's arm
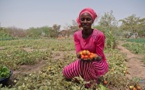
77	45
100	43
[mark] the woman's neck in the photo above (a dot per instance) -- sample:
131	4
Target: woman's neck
86	33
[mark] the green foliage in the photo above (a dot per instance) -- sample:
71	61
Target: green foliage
4	71
108	25
37	32
116	76
102	87
110	40
108	22
43	31
107	19
30	51
14	58
4	35
137	40
133	24
56	54
135	47
141	32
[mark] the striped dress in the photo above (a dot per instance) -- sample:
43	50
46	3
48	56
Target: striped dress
88	70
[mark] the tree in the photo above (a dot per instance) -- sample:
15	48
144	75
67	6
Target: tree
33	32
141	29
133	24
4	34
130	23
108	24
70	29
16	32
74	27
54	31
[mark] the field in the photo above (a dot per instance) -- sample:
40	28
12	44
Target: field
37	65
138	40
136	46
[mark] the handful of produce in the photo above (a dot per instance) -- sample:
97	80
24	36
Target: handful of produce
87	55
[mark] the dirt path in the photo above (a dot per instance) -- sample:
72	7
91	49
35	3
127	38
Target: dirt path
136	68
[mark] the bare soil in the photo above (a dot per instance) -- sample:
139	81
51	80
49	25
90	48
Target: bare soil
26	69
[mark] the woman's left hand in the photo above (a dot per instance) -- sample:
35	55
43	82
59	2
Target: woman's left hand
98	58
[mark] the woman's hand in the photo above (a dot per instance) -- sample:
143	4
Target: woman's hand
98	58
86	55
79	56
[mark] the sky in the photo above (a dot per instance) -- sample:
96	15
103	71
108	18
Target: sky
37	13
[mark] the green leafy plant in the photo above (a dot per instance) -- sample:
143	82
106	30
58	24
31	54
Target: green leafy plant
110	40
4	71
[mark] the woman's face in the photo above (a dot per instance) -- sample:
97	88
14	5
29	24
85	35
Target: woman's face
86	21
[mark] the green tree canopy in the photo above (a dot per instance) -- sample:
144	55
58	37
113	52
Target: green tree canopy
131	23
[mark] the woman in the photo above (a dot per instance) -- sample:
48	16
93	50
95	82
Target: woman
92	40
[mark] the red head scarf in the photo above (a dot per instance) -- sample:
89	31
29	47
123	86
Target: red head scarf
89	11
